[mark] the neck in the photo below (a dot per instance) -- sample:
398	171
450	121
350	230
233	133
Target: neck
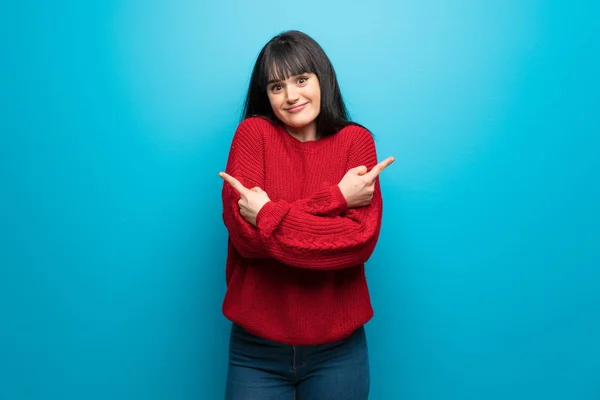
305	134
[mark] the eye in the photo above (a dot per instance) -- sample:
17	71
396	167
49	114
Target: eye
276	88
302	79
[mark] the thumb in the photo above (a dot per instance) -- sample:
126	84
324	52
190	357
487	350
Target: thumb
256	189
361	170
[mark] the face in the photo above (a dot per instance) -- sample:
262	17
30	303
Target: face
296	101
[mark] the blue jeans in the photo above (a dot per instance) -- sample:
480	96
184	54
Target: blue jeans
267	370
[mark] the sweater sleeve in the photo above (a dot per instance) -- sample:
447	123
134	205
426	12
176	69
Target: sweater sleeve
246	163
301	239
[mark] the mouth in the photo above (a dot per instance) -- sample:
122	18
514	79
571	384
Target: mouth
297	108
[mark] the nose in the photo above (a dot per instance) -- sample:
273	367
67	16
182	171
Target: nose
292	94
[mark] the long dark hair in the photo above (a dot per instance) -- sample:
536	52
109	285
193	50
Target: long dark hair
293	53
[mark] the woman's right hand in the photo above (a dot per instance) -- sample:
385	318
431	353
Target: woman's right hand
358	185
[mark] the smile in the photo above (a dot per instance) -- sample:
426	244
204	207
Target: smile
296	109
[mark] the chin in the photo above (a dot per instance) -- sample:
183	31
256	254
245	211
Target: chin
300	121
299	124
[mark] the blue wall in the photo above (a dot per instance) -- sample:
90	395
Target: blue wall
116	117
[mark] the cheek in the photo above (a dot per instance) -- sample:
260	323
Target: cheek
273	102
316	94
317	99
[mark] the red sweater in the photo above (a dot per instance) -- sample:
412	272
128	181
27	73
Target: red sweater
298	277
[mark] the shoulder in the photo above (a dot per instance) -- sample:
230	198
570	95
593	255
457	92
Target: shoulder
255	127
361	145
252	133
356	133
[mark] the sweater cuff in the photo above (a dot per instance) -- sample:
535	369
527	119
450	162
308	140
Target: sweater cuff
339	205
328	201
269	217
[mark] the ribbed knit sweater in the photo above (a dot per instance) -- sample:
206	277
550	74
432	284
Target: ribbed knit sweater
298	277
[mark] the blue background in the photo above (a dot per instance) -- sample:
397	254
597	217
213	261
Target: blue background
116	117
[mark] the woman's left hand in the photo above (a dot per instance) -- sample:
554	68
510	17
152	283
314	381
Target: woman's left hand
251	200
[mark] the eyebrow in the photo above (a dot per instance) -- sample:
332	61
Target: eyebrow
281	80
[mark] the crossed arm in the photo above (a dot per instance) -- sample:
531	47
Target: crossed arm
357	186
336	227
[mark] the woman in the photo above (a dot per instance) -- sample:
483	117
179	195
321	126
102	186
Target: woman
302	205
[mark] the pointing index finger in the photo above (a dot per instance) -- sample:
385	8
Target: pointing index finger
380	167
237	185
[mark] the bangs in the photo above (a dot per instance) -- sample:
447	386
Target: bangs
282	61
